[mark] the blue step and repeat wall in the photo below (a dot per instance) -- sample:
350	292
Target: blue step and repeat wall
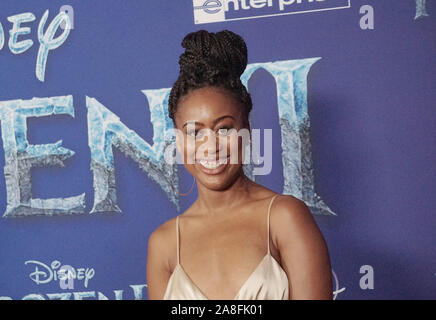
346	86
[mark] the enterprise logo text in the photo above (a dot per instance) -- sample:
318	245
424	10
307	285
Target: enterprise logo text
207	11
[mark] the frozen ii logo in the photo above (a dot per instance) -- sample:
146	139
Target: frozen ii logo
106	130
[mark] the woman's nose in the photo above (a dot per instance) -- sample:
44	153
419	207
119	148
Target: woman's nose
213	143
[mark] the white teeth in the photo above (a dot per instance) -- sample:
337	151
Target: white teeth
212	164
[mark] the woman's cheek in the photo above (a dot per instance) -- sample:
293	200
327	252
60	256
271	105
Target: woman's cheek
234	149
190	149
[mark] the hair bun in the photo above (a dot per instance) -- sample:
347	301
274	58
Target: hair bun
223	53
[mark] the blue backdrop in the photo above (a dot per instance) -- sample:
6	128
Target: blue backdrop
370	101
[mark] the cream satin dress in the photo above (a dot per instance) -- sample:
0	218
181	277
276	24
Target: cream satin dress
267	282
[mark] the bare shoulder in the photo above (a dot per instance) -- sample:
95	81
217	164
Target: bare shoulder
160	257
162	242
303	249
291	218
289	207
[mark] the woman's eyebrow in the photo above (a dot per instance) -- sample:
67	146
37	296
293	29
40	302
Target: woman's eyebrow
223	117
214	122
191	121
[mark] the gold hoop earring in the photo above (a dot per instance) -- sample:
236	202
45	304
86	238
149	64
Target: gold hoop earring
190	190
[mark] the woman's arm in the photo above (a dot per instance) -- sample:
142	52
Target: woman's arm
158	272
303	250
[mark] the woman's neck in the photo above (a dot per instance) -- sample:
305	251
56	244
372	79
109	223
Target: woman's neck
220	202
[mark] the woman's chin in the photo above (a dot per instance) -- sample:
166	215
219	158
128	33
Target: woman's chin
217	182
214	182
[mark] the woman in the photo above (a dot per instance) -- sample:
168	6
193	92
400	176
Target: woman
238	240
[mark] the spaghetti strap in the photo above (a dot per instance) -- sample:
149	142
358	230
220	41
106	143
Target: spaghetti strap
269	209
177	237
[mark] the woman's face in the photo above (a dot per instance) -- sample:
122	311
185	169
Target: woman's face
208	122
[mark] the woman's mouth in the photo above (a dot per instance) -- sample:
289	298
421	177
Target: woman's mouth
212	166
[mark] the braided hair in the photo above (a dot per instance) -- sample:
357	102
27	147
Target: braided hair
211	60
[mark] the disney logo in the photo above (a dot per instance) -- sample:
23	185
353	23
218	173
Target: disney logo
44	274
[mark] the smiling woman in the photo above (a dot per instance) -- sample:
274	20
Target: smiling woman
238	240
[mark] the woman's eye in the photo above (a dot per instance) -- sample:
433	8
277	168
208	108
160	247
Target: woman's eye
195	134
224	131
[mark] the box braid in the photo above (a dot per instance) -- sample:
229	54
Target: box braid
211	60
